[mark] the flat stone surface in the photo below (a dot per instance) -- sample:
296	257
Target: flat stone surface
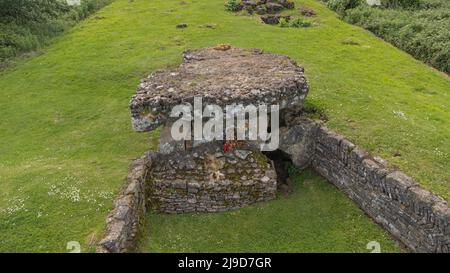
222	76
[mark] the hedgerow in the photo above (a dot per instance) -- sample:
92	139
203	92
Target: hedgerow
419	27
27	25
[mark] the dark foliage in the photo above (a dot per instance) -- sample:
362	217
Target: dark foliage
27	25
419	27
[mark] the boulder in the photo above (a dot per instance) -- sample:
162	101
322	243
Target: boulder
270	19
308	12
182	25
273	8
288	4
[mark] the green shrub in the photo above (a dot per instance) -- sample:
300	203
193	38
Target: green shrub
298	23
232	5
419	27
340	6
401	3
30	11
27	25
284	22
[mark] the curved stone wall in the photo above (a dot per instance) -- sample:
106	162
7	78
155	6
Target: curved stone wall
207	179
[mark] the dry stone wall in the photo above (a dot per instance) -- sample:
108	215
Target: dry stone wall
420	219
204	179
207	179
122	224
416	217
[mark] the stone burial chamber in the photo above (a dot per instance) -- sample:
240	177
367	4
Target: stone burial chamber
187	176
201	176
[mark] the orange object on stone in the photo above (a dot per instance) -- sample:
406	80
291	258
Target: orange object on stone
222	47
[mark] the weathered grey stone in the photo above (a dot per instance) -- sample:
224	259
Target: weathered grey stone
167	144
273	8
235	73
217	187
308	12
182	25
288	4
298	142
270	19
242	154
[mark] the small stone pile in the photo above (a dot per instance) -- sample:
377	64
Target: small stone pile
262	7
308	12
267	9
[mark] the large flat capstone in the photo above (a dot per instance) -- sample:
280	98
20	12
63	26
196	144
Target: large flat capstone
221	76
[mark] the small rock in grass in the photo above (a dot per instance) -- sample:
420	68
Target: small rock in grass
287	18
212	26
285	189
349	41
308	12
182	25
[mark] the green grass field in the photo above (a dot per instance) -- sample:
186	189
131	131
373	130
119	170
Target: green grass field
65	134
317	217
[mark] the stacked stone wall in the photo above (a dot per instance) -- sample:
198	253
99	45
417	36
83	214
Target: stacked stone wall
413	215
417	217
181	183
127	215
